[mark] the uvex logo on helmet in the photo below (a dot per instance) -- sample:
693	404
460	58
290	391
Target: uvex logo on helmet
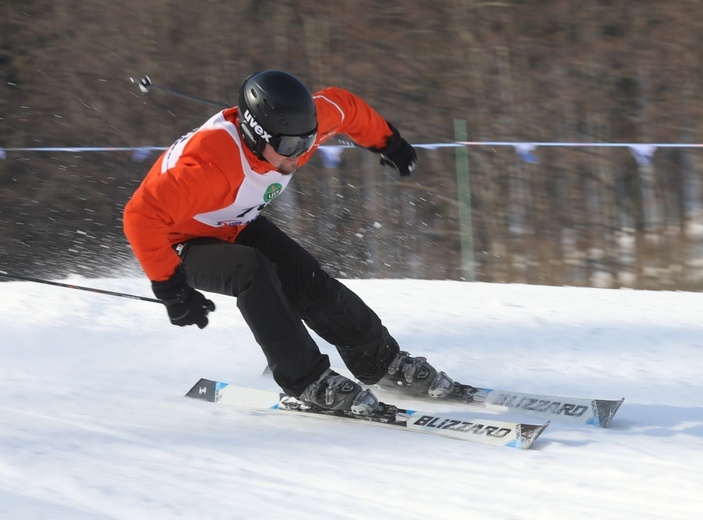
255	126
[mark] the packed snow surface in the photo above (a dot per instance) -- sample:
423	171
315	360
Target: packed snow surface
94	423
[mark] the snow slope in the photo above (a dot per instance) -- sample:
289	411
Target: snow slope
94	425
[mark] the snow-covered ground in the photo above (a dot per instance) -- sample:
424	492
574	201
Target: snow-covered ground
94	425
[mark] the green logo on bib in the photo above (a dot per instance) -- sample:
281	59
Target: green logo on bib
272	192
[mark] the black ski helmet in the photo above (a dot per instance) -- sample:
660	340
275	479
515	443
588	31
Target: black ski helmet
276	108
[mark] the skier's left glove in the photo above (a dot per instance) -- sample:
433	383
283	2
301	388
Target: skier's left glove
185	305
398	153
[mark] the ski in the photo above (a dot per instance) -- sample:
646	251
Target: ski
457	426
574	410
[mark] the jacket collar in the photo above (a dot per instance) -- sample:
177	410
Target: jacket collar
256	164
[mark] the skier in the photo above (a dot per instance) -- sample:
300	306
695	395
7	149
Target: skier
195	224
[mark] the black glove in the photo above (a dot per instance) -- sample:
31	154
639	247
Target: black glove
398	153
185	305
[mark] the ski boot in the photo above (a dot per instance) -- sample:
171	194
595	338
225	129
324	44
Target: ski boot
342	396
415	377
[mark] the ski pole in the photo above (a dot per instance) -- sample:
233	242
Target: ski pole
5	274
145	85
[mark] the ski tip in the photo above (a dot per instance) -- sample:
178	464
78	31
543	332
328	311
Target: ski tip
605	411
527	434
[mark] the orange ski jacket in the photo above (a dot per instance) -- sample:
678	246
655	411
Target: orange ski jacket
209	184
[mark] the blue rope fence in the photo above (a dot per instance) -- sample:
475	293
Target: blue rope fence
643	152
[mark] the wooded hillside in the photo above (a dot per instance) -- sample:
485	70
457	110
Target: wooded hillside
538	71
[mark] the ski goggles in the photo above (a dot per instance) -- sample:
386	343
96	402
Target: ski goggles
292	145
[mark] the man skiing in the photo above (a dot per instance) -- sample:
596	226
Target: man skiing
195	224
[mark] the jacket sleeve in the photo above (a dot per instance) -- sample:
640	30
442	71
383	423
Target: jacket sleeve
167	200
341	112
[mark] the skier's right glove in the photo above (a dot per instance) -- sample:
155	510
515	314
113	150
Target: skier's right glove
185	305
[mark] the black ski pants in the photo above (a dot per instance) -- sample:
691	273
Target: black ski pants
278	286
